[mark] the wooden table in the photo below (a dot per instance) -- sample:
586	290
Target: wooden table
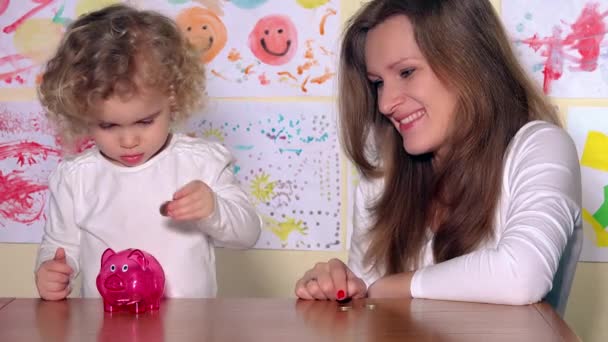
281	320
5	301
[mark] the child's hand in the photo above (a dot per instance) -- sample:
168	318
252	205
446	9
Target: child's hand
194	201
53	277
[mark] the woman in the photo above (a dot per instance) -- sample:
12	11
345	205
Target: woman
470	189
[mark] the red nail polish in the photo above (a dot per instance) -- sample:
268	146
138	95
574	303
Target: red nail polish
340	294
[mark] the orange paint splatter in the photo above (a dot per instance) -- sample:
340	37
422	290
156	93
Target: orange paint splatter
234	55
303	86
309	54
247	70
288	74
323	78
305	66
217	74
329	12
326	52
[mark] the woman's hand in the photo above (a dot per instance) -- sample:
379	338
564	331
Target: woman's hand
331	280
392	286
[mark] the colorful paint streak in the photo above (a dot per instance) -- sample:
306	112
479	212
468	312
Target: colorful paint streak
262	189
601	215
283	229
601	234
87	6
585	38
3	6
248	4
12	27
27	152
310	4
37	39
34	40
595	156
21	200
595	153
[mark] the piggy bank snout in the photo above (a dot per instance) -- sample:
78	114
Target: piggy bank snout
114	283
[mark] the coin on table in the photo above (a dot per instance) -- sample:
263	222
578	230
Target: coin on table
370	306
344	308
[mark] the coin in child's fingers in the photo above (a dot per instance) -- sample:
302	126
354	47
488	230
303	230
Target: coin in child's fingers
164	209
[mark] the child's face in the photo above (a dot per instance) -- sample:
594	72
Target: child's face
130	131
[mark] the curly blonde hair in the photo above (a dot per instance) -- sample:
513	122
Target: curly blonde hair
111	52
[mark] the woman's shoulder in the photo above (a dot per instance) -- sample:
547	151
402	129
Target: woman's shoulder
538	149
541	138
540	133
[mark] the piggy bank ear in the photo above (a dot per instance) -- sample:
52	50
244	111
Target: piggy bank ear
139	257
106	255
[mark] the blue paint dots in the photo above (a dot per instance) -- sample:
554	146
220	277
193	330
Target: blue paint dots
248	4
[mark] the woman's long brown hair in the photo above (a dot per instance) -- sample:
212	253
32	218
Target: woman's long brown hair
467	47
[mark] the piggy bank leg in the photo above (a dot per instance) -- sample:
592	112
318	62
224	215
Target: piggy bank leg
109	307
154	304
139	307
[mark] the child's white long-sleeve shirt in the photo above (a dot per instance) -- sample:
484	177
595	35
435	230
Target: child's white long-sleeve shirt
95	204
539	208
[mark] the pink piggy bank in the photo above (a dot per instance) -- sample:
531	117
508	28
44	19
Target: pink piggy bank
130	280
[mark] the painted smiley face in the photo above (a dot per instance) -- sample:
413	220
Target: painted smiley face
274	40
205	30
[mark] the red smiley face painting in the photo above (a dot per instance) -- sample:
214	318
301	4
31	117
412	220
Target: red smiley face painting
274	40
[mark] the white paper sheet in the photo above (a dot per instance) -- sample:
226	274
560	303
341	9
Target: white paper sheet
287	158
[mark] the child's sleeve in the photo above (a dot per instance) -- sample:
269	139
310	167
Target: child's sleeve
542	192
234	222
60	229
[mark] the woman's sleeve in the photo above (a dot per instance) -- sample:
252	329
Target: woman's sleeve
541	208
365	194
